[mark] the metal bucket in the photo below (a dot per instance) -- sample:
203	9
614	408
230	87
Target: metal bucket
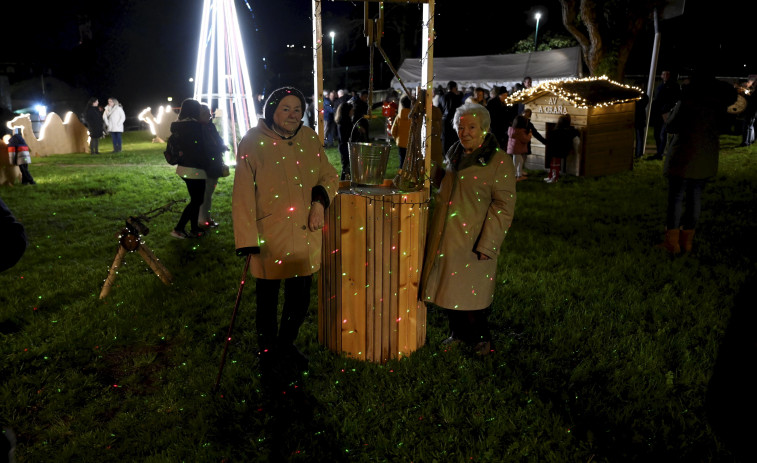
368	163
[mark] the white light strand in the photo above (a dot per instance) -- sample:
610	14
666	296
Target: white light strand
222	79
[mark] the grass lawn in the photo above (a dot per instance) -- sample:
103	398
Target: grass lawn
606	347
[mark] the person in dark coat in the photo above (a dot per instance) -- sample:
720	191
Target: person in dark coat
665	97
192	167
560	142
18	151
750	113
344	126
691	156
94	119
449	104
216	167
361	111
640	124
502	115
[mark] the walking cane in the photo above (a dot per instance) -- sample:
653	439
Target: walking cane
231	325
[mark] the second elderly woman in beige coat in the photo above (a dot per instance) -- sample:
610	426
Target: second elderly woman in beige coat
473	210
283	181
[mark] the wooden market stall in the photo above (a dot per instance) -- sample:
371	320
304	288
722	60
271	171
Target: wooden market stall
601	110
368	288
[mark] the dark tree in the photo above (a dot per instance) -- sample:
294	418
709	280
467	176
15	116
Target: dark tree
607	30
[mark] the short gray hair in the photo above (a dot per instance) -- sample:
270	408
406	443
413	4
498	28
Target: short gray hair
478	111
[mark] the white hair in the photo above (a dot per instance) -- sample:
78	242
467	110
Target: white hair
478	111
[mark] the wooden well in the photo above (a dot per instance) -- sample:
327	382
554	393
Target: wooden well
369	306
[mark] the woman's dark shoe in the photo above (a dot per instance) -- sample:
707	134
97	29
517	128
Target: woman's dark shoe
451	341
179	234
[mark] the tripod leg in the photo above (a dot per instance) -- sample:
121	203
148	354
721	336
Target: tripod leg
155	264
113	272
231	324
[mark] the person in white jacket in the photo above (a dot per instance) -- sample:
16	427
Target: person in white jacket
114	118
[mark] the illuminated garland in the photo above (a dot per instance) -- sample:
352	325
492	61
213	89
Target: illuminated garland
557	87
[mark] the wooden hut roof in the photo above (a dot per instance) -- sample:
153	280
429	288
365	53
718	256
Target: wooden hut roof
583	93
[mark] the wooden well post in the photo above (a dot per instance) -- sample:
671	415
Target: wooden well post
368	289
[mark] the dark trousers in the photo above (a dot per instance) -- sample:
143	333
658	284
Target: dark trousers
94	145
26	177
449	135
330	135
747	134
402	152
296	304
191	213
660	137
470	326
344	152
680	190
640	142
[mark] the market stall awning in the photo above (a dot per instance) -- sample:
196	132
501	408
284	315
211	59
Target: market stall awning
487	71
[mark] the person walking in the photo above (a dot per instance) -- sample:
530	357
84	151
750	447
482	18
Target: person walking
216	167
283	182
18	151
188	134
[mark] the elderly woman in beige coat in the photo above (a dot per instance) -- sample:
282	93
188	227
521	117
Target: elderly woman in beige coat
473	210
283	181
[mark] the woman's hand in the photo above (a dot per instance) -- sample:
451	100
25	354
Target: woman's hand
315	219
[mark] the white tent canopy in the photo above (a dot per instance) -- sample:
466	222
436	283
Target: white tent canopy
494	70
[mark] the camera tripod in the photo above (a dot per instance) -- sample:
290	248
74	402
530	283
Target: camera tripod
130	240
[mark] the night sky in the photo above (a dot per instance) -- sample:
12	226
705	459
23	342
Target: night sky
143	51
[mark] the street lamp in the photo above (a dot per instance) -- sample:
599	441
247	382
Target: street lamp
332	34
536	34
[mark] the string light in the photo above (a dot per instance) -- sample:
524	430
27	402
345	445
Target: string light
579	93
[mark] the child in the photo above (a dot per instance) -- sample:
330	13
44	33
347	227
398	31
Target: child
517	144
401	128
560	142
19	153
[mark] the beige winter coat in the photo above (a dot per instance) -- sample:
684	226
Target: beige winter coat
472	213
273	186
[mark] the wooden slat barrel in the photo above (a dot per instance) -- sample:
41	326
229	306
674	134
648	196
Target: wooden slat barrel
368	285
